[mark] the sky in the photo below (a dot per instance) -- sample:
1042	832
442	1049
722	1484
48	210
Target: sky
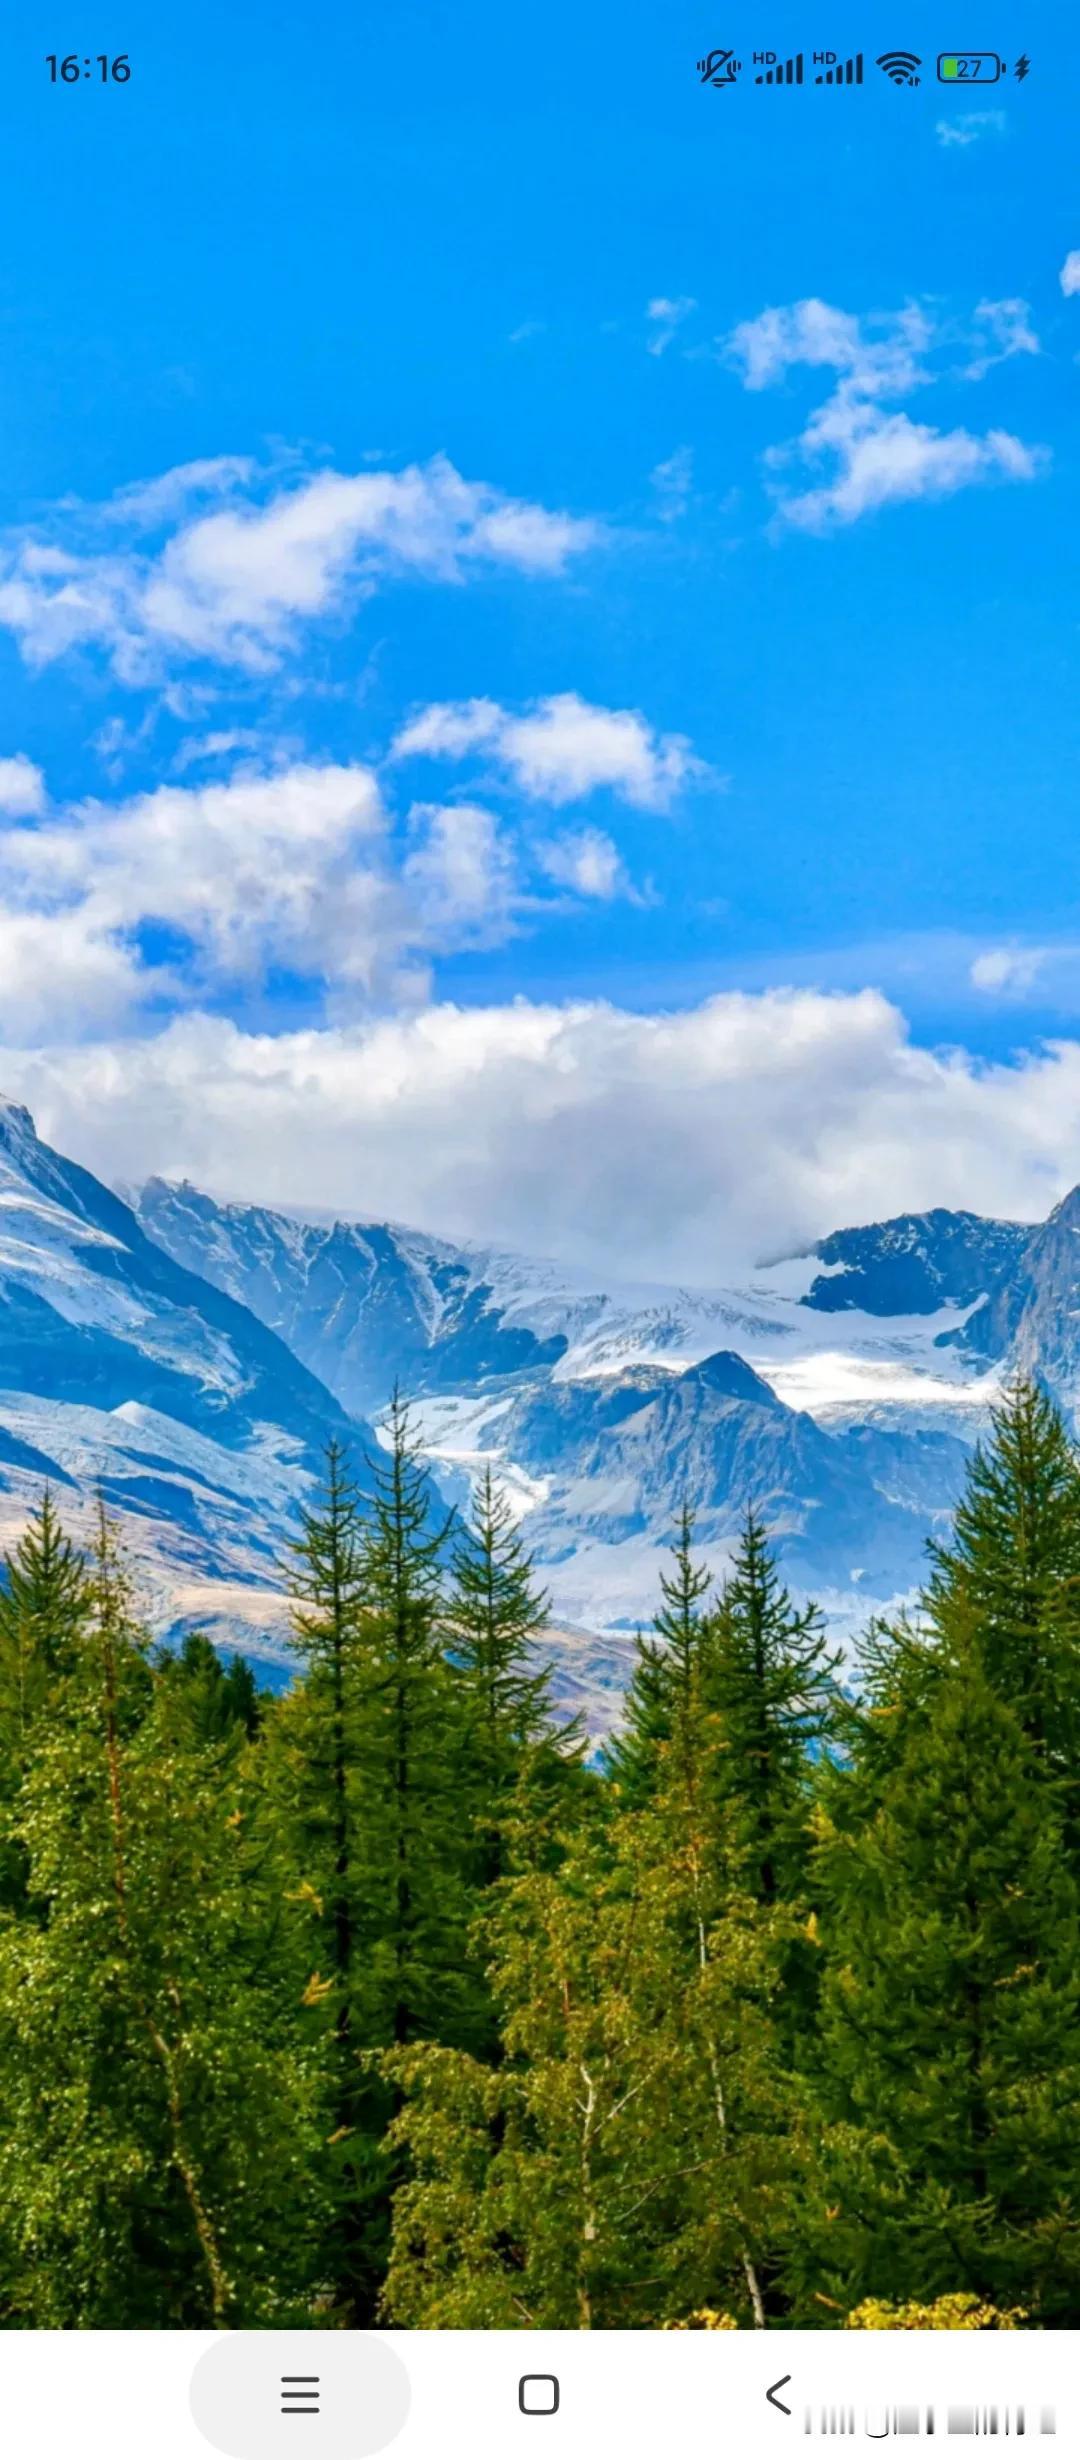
538	621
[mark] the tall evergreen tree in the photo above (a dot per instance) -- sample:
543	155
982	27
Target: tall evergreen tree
407	1747
666	1681
45	1600
950	2049
1013	1564
492	1619
312	1751
771	1682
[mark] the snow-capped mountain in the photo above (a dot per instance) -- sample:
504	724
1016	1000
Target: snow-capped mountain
192	1356
915	1264
1030	1316
845	1421
122	1372
364	1305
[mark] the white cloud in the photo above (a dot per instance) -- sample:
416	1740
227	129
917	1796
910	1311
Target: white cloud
681	1145
148	502
188	889
970	128
62	974
236	583
875	454
561	749
157	902
1012	972
461	875
1005	328
22	788
588	861
664	317
672	481
1070	274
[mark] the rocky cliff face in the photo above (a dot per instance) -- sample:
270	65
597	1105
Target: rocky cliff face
1030	1319
125	1373
915	1264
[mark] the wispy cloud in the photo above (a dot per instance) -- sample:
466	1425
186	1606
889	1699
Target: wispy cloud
875	453
1070	274
559	749
235	584
672	482
1005	325
968	130
664	316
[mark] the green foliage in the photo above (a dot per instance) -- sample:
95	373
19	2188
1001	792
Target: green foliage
374	2000
152	2119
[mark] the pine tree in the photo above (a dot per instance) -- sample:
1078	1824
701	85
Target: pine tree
407	1754
660	1698
45	1600
313	1789
492	1618
44	1592
1013	1564
213	1703
771	1682
950	2052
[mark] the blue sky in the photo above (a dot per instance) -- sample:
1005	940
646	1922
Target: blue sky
538	612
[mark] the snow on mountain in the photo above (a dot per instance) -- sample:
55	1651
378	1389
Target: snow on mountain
364	1305
914	1265
600	1407
1030	1317
123	1373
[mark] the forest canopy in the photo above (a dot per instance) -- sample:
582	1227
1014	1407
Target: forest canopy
385	1998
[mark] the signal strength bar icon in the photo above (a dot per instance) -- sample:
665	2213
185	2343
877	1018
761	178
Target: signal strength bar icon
781	72
843	72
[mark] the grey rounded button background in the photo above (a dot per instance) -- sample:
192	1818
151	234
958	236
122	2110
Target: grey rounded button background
236	2395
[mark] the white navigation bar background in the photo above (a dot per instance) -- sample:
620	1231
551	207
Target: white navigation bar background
620	2396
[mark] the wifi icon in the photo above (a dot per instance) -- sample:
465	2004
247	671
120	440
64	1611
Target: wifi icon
901	66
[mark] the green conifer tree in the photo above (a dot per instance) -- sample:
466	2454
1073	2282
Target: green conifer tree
1013	1564
771	1683
493	1616
45	1600
666	1681
950	2047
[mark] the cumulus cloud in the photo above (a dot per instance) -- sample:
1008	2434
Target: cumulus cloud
234	584
559	750
461	874
218	888
664	316
874	453
1070	274
255	872
683	1145
22	788
588	861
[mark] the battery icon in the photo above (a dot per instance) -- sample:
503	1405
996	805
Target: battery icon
969	68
